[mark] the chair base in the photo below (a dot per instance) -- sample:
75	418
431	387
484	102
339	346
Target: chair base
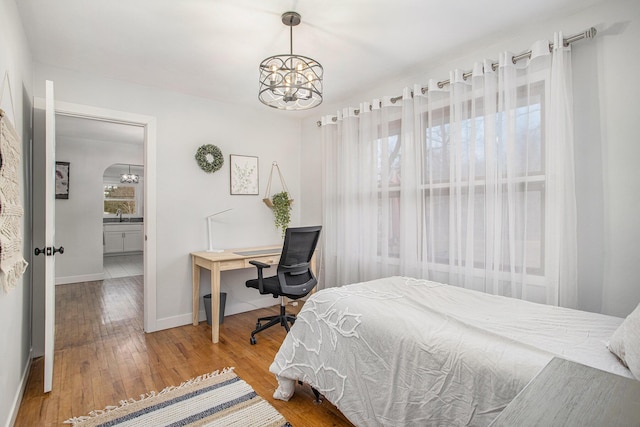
283	319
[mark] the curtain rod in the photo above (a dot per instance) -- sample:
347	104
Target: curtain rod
587	34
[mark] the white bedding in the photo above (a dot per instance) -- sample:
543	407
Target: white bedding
400	351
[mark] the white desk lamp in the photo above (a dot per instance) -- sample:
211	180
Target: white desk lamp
209	230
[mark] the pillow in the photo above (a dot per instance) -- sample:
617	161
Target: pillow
625	342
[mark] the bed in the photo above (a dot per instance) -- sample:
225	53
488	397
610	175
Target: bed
401	351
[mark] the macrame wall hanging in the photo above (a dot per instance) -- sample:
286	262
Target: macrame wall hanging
12	264
280	203
267	199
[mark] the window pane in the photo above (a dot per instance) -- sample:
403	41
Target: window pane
119	192
388	163
438	205
119	197
437	222
452	236
127	207
437	154
529	129
393	228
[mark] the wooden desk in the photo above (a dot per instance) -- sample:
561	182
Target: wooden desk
230	259
567	394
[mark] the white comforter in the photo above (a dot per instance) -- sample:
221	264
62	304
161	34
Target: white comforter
400	351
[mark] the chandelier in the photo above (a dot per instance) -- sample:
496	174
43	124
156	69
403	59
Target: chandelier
290	82
129	178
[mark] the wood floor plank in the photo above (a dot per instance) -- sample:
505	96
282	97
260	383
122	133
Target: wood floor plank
102	356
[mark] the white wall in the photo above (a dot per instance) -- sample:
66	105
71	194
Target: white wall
15	306
607	104
185	193
79	218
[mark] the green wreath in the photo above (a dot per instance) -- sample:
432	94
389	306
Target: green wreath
209	158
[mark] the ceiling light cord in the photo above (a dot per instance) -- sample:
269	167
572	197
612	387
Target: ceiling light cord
291	36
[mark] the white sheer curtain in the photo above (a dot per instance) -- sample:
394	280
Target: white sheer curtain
470	184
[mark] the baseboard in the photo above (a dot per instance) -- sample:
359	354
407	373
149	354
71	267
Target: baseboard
231	308
173	322
114	254
18	398
77	279
244	306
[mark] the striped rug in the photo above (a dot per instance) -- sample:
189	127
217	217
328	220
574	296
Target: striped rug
216	399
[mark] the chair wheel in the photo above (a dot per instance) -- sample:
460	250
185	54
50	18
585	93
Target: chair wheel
253	341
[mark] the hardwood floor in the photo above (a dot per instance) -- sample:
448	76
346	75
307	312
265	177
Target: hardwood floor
103	356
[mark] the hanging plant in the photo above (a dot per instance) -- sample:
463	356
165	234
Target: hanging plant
280	203
209	158
281	210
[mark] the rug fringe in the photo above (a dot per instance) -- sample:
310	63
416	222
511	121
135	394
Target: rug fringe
145	396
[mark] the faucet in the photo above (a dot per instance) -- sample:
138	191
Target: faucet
119	213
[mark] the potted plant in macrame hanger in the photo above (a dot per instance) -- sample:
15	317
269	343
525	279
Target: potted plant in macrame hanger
280	203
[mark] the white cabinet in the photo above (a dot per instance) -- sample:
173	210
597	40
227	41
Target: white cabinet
113	241
132	241
123	238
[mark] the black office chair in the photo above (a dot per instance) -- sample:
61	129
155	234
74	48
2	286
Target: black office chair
294	278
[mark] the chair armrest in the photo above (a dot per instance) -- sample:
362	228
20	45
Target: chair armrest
259	264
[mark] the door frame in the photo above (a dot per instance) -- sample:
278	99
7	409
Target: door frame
149	125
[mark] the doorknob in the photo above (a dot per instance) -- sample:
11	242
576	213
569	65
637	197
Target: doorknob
48	251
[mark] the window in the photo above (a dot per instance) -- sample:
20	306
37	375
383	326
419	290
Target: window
469	183
120	198
464	181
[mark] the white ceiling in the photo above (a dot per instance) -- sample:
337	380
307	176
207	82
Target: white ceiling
212	48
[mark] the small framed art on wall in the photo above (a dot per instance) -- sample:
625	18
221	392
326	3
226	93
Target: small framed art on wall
244	174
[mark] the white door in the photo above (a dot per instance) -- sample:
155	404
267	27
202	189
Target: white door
49	234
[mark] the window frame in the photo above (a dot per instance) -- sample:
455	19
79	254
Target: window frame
534	181
137	199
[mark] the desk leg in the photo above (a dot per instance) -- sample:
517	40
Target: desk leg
195	279
215	302
314	267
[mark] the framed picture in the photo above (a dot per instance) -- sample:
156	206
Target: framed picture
62	180
244	174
